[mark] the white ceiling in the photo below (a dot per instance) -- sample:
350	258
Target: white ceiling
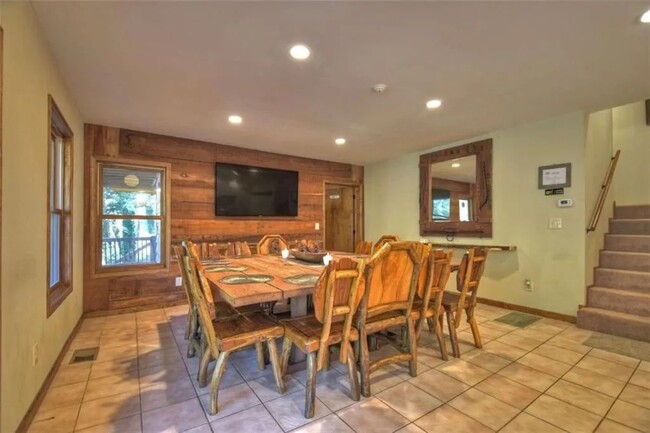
180	68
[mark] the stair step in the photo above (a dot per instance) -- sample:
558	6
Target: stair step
632	243
625	260
630	226
624	301
614	322
622	279
634	211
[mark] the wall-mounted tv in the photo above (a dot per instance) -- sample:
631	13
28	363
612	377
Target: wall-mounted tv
245	191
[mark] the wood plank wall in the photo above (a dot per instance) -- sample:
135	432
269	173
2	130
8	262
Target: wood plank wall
193	203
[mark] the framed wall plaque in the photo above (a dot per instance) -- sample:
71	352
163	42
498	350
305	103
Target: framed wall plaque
554	176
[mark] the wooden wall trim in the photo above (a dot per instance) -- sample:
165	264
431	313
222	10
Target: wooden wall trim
529	310
1	69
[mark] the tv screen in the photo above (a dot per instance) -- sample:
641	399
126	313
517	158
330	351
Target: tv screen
242	190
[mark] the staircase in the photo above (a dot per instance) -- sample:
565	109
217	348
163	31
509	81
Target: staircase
619	301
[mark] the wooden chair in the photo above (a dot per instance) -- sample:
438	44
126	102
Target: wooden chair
336	298
209	250
384	240
391	279
238	249
428	308
223	337
363	247
272	245
468	278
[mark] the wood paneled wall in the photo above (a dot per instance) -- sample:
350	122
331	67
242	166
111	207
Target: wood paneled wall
193	203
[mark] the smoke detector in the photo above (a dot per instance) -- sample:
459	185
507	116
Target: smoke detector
379	88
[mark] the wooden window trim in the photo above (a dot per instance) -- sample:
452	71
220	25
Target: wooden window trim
99	271
57	126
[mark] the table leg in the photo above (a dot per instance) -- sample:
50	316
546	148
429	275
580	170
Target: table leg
298	308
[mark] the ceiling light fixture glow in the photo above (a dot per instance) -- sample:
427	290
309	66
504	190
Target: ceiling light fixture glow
456	164
234	119
645	18
339	141
300	52
433	104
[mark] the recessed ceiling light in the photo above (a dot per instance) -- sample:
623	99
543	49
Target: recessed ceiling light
339	141
300	52
645	18
235	119
456	164
433	104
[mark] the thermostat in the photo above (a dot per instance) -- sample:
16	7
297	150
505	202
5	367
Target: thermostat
565	202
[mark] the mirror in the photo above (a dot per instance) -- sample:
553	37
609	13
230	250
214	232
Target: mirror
455	191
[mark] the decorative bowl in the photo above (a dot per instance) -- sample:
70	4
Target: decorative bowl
309	257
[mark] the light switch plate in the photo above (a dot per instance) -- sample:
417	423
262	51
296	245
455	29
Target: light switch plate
178	281
555	223
317	226
565	202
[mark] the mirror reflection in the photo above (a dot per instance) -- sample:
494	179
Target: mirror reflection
452	187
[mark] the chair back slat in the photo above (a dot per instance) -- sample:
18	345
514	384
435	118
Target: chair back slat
363	247
384	240
180	253
437	270
468	277
192	251
238	249
272	245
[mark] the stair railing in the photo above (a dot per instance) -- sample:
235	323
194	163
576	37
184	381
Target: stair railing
602	196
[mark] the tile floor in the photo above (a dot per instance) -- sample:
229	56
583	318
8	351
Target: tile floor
540	378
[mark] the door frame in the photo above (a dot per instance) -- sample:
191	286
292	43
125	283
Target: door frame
1	98
358	208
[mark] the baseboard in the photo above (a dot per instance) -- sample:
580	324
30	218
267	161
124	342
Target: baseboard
33	408
529	310
116	311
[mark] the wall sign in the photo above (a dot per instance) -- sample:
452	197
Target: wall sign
554	176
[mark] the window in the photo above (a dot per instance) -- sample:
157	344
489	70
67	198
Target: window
131	216
441	209
59	220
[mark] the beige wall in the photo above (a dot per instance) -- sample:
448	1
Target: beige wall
632	137
553	259
29	76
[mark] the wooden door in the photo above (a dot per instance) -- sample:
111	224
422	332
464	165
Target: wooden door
340	217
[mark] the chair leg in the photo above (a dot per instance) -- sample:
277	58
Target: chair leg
202	375
275	364
326	361
310	394
474	326
452	333
219	369
189	323
440	335
412	347
364	364
190	333
286	354
431	324
352	373
259	352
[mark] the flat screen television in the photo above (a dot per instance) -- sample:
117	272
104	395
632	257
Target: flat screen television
245	191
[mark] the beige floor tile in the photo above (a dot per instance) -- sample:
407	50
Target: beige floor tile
439	385
58	420
254	420
132	424
490	333
65	395
409	400
595	381
266	389
576	334
411	428
557	323
382	379
155	357
568	344
119	353
401	369
525	423
484	408
162	394
430	356
644	366
532	333
563	415
615	357
636	394
504	350
606	368
508	391
446	419
609	426
582	397
466	372
523	343
486	360
630	415
108	409
499	326
330	423
205	428
68	374
170	372
110	385
372	415
544	364
558	354
126	368
641	378
546	328
177	417
468	338
528	376
231	400
288	411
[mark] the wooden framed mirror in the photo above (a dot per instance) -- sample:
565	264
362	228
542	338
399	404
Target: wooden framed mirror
456	191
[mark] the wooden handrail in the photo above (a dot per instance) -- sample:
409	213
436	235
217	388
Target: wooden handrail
604	189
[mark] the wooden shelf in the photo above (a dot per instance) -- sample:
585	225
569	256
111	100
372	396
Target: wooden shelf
468	246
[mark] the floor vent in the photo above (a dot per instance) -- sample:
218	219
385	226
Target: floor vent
520	320
84	355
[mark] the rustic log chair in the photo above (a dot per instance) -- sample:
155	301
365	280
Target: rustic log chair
468	278
221	309
209	250
238	249
272	245
336	298
428	307
225	336
384	240
391	280
363	247
192	330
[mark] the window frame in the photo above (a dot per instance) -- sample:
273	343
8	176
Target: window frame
98	216
59	128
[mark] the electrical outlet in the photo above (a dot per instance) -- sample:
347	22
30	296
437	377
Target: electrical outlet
317	226
35	354
179	281
555	223
528	285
